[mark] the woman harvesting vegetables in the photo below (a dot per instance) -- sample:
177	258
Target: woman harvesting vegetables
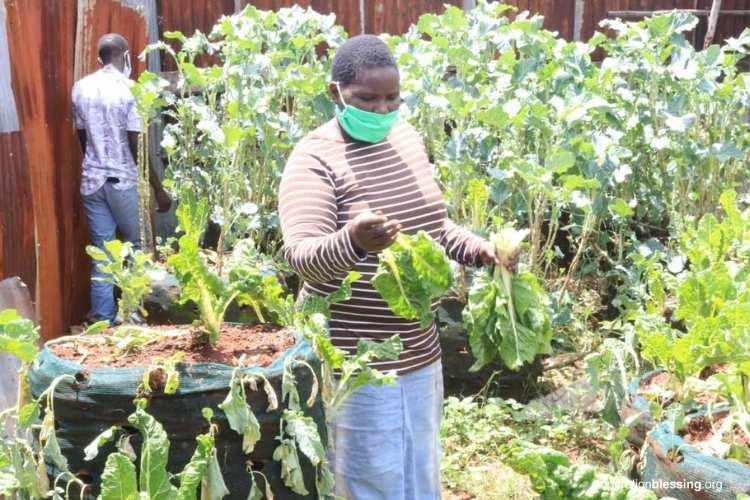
348	189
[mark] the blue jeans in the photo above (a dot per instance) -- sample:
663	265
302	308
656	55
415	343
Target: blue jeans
387	439
108	210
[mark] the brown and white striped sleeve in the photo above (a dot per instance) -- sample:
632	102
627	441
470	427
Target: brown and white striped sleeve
314	246
460	244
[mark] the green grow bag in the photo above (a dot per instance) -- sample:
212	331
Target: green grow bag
670	466
104	397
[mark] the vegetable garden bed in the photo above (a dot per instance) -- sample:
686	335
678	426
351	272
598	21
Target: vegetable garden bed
622	170
671	461
91	400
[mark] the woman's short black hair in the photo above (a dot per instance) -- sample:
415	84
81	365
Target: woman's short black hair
358	53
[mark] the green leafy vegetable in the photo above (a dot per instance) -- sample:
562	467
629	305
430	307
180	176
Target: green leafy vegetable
239	414
412	273
18	336
126	269
291	471
119	479
506	316
153	477
199	283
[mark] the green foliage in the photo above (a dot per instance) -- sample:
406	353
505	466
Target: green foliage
299	433
556	477
199	283
121	480
356	372
489	435
126	269
233	124
153	478
611	369
241	418
713	299
27	448
256	282
165	370
412	274
497	331
617	146
701	340
18	336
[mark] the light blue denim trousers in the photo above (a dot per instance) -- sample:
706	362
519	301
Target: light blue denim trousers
387	439
108	210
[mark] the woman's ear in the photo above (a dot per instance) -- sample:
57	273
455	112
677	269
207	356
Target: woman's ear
333	89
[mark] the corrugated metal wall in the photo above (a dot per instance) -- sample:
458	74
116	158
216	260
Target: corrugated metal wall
53	42
41	42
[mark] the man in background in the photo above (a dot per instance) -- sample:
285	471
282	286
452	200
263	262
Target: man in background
108	128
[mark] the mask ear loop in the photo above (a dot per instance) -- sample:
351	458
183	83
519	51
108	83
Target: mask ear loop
341	95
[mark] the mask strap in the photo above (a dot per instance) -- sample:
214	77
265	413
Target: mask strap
341	95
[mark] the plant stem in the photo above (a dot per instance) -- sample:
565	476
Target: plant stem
507	280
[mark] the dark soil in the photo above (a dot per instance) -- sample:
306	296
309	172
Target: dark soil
699	429
259	344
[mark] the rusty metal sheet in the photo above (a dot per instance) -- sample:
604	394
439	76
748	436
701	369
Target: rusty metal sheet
395	16
558	16
17	245
8	113
41	43
130	18
188	16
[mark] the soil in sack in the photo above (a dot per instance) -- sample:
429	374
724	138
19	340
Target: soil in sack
107	382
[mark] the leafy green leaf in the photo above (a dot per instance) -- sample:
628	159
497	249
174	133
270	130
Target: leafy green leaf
239	414
412	273
291	470
29	414
560	161
18	336
304	431
119	479
213	486
154	478
498	329
92	450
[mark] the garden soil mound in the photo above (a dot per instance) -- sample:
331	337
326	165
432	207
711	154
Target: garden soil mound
254	345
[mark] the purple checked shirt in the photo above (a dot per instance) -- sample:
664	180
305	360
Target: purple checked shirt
104	107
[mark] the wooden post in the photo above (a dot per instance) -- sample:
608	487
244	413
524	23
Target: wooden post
578	20
362	17
713	19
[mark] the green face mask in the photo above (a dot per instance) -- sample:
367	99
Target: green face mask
364	125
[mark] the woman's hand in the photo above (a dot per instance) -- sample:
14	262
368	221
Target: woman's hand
488	257
373	232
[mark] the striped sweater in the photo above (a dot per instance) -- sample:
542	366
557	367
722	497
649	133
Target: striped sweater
329	180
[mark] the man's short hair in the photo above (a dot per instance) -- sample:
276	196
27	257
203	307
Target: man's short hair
111	45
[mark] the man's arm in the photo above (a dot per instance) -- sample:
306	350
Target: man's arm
162	197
